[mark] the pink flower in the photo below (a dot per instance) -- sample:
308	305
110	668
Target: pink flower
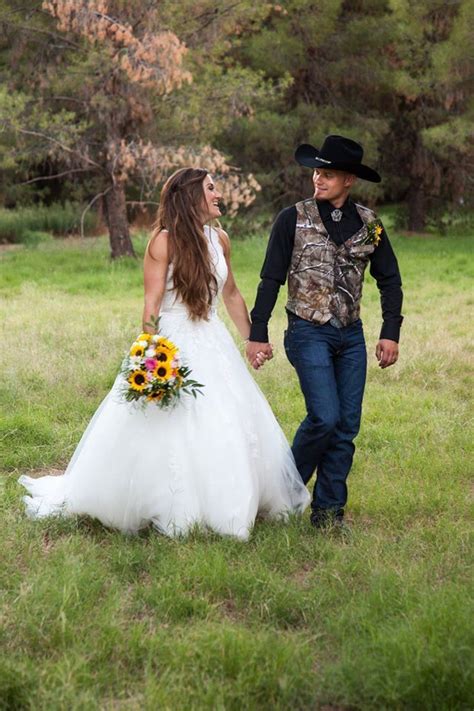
150	363
149	377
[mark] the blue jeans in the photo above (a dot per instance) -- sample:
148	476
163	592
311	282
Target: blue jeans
331	364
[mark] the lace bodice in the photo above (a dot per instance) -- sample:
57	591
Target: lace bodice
172	301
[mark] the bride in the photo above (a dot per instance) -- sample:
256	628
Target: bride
218	460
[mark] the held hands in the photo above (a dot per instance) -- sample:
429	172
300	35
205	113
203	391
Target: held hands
258	353
386	352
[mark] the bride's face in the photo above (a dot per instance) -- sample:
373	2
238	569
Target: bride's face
211	199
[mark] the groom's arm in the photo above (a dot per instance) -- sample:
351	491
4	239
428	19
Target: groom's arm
274	272
384	269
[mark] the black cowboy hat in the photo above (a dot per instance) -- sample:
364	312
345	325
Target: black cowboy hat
338	153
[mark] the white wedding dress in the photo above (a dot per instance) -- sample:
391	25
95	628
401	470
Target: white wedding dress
217	461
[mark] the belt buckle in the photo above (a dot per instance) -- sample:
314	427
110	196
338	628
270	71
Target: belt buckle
334	321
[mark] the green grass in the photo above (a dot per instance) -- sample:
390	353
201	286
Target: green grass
90	619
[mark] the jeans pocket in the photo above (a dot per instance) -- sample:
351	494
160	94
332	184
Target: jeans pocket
286	344
291	326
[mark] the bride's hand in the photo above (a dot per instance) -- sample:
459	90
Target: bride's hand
258	353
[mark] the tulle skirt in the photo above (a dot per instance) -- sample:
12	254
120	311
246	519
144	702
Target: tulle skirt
217	461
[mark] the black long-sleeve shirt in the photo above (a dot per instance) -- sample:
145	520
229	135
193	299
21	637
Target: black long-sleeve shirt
383	267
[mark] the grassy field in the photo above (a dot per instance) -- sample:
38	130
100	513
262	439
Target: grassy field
90	619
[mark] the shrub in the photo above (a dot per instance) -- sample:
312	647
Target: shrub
57	219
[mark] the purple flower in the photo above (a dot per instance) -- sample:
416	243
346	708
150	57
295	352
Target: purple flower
150	363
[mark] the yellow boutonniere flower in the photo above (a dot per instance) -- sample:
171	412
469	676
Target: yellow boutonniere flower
374	232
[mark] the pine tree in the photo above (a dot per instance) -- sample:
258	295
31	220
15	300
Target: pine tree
331	56
429	149
396	75
89	99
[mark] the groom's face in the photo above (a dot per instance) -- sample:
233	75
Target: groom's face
331	184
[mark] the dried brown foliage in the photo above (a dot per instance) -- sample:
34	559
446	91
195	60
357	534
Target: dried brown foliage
154	60
154	164
146	64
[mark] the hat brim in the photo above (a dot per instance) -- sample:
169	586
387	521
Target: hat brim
308	156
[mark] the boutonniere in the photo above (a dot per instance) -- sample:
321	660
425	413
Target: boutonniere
374	232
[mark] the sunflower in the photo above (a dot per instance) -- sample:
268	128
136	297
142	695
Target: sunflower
144	337
163	355
163	371
155	397
167	345
138	380
137	350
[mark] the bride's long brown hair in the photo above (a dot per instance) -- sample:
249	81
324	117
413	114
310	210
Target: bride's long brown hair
180	212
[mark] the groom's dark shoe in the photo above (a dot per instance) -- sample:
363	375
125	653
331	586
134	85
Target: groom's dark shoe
327	518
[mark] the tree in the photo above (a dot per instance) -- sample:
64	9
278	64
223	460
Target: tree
90	99
397	75
429	148
331	56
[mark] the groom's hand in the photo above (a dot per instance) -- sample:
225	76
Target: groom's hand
386	352
258	353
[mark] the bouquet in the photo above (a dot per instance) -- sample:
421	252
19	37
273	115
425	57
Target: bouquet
154	372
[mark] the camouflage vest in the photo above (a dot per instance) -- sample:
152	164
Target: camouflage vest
325	279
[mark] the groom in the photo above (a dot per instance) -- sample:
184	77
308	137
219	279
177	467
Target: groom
322	246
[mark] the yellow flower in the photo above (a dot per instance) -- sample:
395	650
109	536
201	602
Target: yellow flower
163	356
179	379
374	233
155	397
138	380
162	371
165	344
144	337
137	350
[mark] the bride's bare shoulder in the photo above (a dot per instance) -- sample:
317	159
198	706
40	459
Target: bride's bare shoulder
157	247
223	239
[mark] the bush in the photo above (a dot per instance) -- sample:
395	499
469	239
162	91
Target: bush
32	238
248	224
441	218
18	225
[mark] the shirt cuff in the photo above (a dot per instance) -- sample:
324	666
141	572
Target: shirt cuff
259	332
391	330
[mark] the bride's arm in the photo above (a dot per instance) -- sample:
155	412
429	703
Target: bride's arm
155	269
233	299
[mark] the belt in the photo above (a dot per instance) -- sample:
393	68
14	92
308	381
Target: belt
333	321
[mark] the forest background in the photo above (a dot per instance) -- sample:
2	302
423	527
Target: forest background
100	100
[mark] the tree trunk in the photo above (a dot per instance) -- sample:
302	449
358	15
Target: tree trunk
115	210
417	192
417	207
